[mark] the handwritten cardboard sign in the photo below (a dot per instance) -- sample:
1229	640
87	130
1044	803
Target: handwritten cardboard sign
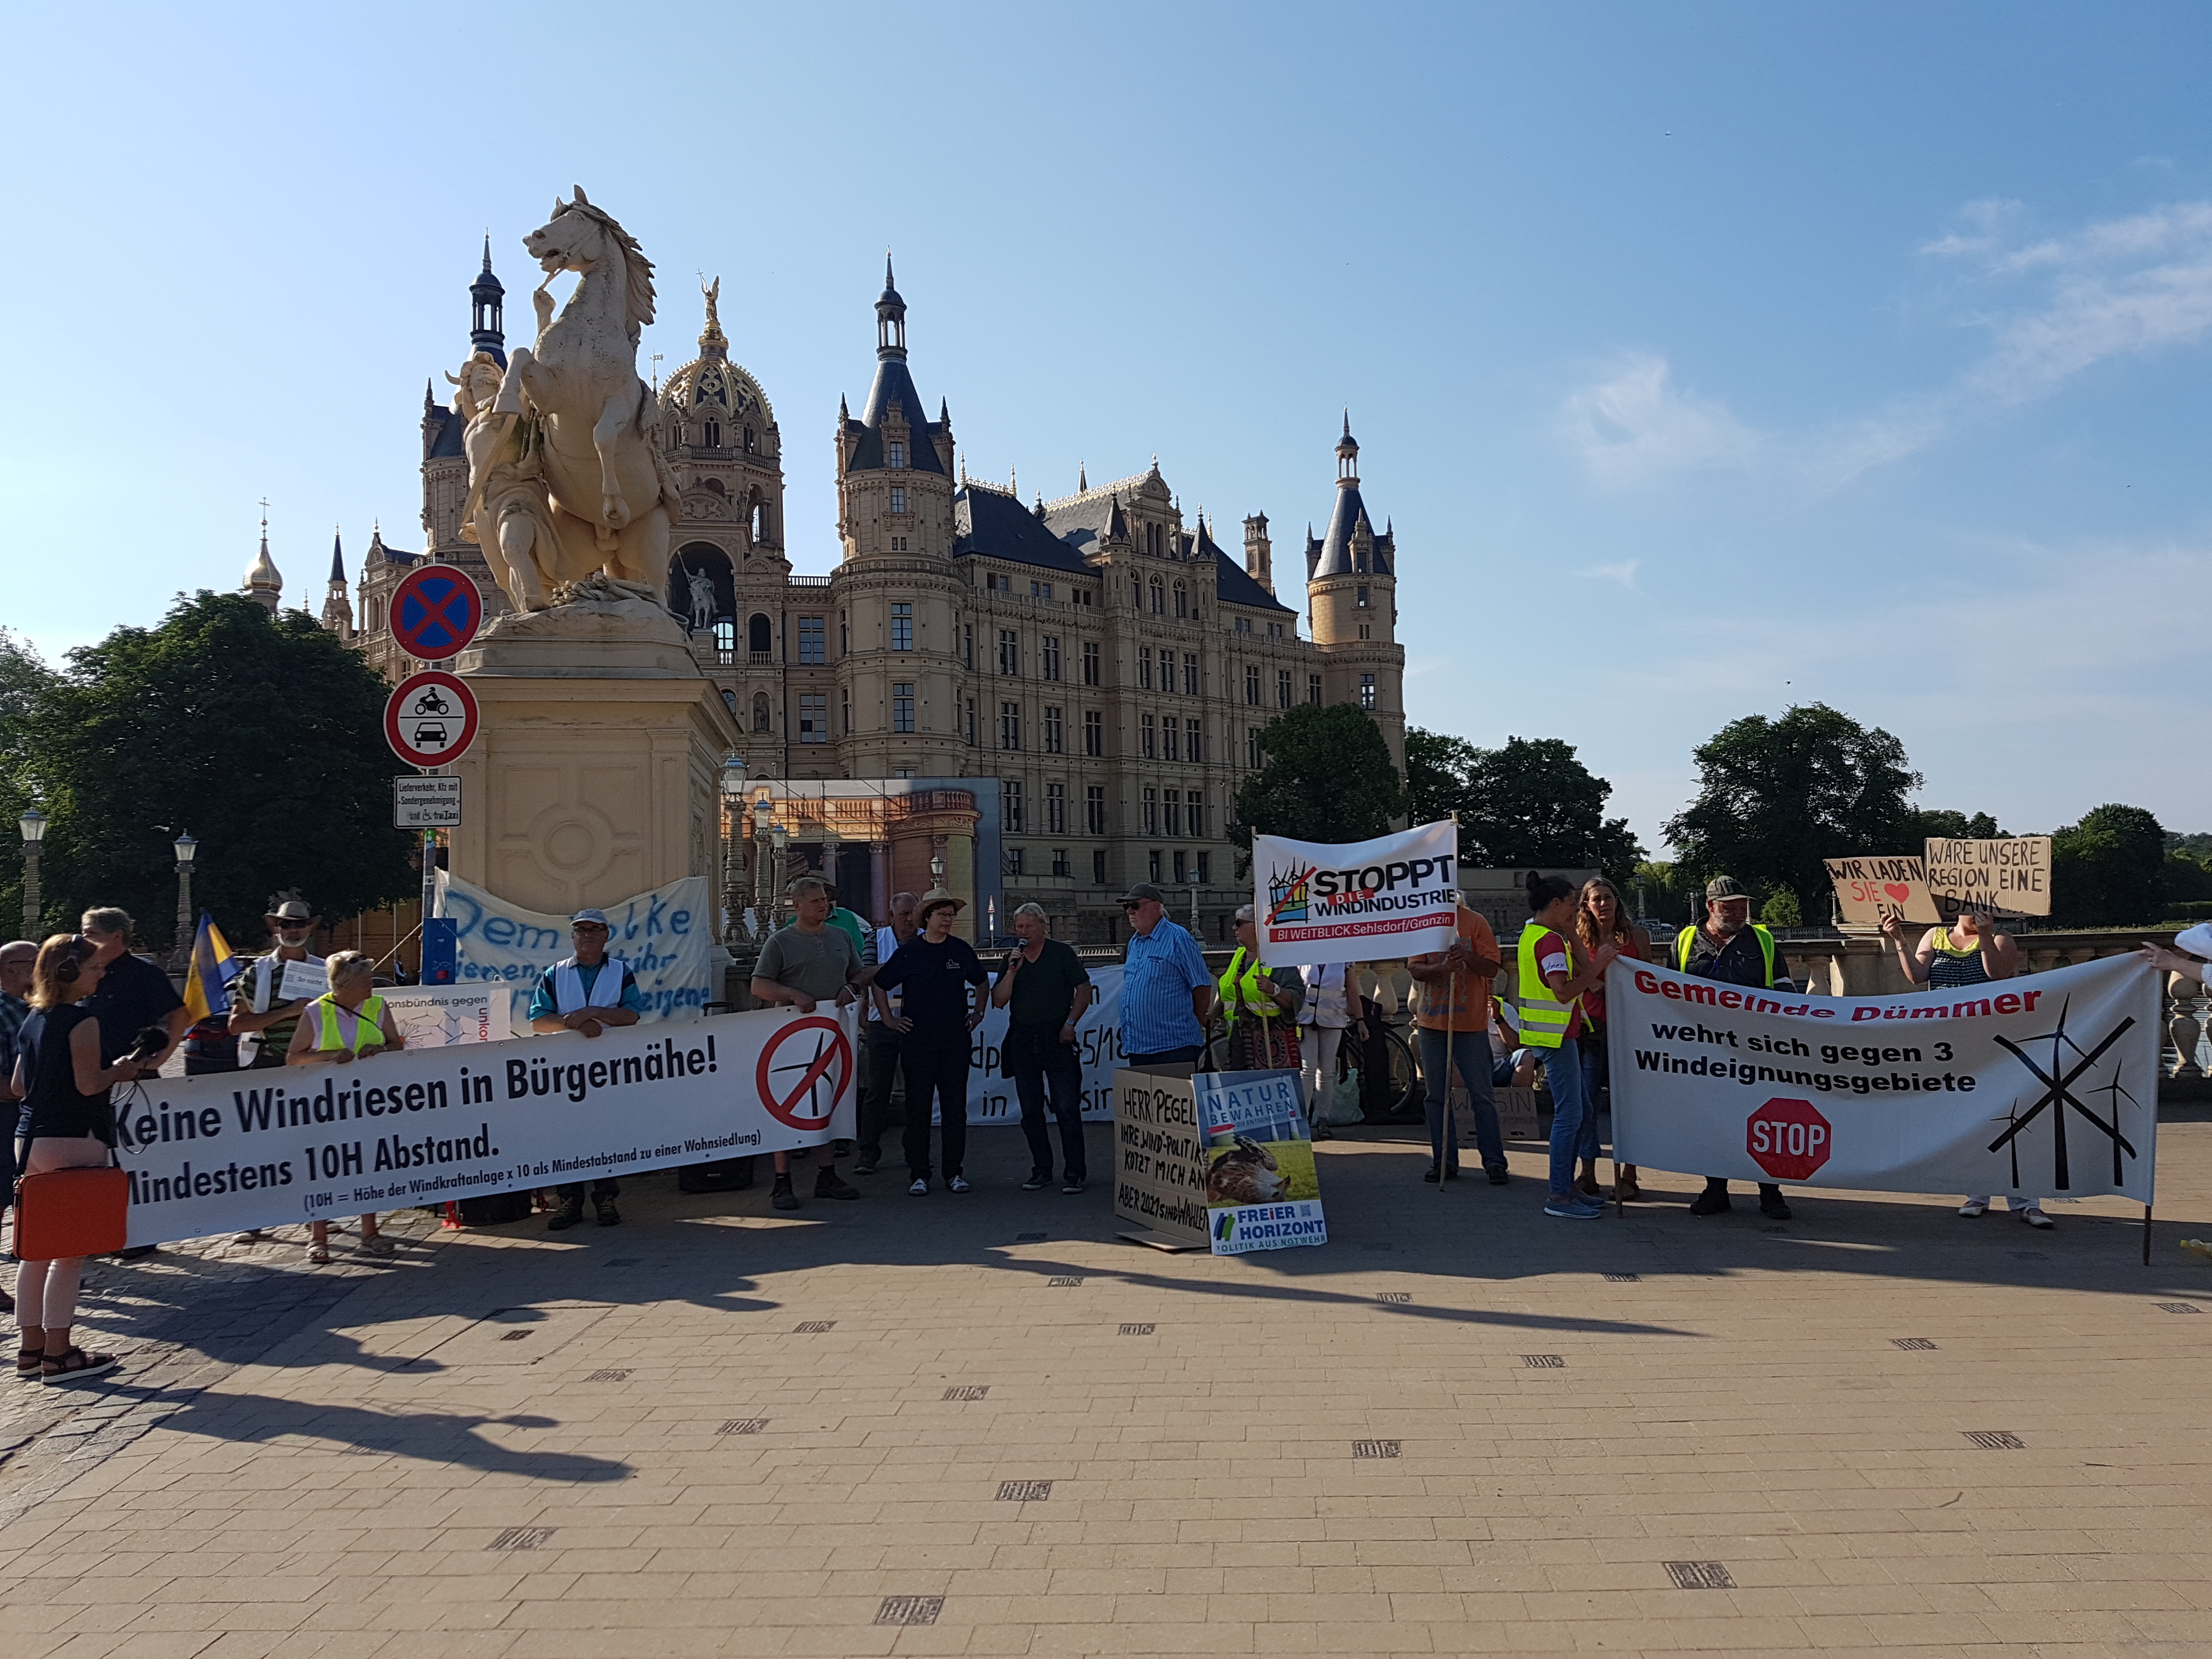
2007	877
1872	888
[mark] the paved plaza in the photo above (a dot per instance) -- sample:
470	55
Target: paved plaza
985	1424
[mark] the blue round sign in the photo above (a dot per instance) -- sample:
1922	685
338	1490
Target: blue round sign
435	611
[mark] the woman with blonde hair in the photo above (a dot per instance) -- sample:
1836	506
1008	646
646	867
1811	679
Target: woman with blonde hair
348	1022
1601	918
67	1123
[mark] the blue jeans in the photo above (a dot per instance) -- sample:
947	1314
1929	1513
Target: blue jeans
1470	1053
1563	1070
1595	1073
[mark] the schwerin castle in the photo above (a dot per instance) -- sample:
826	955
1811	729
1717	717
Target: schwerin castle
1108	664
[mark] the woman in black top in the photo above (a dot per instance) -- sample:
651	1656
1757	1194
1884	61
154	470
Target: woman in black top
67	1123
943	981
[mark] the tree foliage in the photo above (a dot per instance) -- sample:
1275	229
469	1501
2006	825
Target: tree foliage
2109	870
1533	804
1942	823
262	736
1775	797
1325	776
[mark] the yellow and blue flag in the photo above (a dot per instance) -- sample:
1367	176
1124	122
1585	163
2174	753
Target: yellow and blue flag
207	984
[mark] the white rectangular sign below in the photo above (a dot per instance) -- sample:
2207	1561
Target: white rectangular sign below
2044	1085
303	980
236	1150
1364	901
421	802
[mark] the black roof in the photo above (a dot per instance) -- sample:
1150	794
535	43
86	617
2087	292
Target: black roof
894	383
1232	583
1332	556
444	432
996	525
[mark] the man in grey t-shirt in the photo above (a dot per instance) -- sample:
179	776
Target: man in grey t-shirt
801	966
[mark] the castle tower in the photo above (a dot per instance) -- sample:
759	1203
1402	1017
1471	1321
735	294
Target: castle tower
900	599
1351	592
262	583
337	608
487	299
1258	552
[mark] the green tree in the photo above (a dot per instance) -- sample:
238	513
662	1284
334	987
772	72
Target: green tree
1437	768
1775	797
24	677
2109	870
1942	823
262	736
1781	910
1325	776
1533	804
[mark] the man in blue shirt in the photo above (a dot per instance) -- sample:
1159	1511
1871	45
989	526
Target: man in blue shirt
587	993
1166	991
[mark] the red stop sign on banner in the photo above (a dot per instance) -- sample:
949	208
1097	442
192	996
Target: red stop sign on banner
1788	1139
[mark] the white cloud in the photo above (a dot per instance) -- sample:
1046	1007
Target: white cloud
1632	425
1623	572
2130	286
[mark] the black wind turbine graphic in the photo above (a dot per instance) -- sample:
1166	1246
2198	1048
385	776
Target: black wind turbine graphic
2057	1095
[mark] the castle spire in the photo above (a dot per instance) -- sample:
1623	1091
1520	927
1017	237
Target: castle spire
712	342
338	607
890	318
487	301
263	584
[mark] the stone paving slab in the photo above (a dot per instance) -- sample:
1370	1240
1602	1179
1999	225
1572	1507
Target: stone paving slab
1457	1429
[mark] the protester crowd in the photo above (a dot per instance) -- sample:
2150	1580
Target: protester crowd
82	1016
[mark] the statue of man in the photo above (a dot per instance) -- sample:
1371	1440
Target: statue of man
506	486
702	601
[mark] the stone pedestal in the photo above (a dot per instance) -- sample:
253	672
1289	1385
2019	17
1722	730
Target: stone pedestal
594	776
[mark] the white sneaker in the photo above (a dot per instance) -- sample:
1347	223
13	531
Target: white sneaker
920	1189
2034	1217
959	1184
1974	1208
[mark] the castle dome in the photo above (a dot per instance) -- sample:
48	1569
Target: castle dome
710	385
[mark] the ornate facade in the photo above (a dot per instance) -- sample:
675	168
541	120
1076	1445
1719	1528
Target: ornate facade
1109	663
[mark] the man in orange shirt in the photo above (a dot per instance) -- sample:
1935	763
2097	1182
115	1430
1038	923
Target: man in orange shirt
1453	1017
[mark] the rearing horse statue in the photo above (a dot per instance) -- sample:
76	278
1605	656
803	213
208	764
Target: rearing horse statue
607	487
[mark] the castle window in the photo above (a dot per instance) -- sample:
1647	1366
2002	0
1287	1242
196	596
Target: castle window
1010	727
898	500
1152	806
813	641
1313	690
1098	866
1198	825
1147	736
1159	596
1144	667
845	700
1055	820
757	524
1091	662
1252	748
1059	866
1010	800
1367	691
844	634
1171	738
1137	592
1050	657
1053	744
749	440
714	486
1152	863
1360	598
1205	871
1244	624
726	640
814	717
1154	540
1094	733
1181	600
895	455
1274	630
761	722
1013	860
1195	741
1171	818
1283	689
1365	631
1190	673
760	638
968	645
1181	874
902	706
970	728
1094	810
712	434
1010	652
1252	684
902	625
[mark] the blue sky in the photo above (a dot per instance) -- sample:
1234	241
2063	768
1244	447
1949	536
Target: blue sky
1708	358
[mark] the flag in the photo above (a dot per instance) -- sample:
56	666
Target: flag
207	982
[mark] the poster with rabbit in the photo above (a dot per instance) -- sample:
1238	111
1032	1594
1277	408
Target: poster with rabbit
1262	1190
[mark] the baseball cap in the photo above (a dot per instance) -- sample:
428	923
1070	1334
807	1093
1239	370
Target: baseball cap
599	916
1144	890
1723	887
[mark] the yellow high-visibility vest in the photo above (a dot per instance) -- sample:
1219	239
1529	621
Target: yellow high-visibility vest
1240	989
1688	936
324	1012
1544	1017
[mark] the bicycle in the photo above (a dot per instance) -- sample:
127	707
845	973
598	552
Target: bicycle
1397	1092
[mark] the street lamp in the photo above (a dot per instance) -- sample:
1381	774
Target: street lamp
763	815
779	838
731	782
34	826
180	959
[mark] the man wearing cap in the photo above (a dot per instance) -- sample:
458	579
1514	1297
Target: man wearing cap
258	1008
1166	991
802	965
1731	947
587	993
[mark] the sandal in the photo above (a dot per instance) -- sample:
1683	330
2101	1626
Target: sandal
27	1361
379	1245
1624	1188
68	1367
319	1254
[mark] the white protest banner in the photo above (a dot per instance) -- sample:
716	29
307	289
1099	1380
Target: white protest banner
440	1016
2046	1084
1366	901
233	1151
1098	1042
301	980
2010	876
667	937
1870	889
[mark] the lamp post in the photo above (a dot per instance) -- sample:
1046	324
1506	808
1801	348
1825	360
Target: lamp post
731	783
779	837
764	816
180	959
34	826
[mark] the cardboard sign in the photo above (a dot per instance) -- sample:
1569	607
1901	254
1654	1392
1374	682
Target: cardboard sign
1871	889
1262	1192
1160	1160
2007	876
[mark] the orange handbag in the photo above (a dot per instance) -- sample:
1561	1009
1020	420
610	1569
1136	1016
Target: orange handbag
66	1213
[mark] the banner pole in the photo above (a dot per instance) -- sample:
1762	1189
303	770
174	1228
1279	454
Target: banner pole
1447	1130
